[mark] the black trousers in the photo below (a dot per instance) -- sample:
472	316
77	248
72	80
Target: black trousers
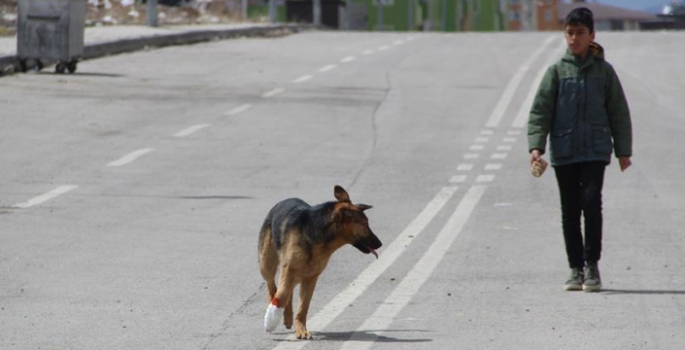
580	191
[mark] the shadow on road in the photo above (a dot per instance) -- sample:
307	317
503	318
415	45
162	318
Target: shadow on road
369	336
644	292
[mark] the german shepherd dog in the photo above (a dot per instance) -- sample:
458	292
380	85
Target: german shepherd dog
301	239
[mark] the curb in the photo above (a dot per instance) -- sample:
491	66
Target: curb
10	64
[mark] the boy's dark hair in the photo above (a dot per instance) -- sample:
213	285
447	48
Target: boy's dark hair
581	16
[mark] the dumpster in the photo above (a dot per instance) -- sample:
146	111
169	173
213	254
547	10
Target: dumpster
50	31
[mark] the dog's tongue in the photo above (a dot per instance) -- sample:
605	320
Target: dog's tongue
373	251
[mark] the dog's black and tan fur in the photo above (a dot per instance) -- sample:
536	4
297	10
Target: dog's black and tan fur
301	239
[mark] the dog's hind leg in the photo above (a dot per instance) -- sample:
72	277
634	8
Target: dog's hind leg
306	293
288	313
268	261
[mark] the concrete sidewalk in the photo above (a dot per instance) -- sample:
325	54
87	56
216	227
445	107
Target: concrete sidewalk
109	40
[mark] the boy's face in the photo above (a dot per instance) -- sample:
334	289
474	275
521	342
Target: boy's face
578	38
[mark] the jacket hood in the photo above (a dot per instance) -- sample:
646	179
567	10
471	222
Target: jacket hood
596	50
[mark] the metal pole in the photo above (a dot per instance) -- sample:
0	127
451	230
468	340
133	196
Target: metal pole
317	12
348	4
152	19
272	11
380	14
444	16
410	16
244	8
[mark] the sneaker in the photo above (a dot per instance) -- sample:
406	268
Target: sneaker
592	283
575	281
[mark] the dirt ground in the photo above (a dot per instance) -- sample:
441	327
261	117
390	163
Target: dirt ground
132	12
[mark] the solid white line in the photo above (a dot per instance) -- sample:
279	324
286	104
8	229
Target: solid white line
508	94
190	130
45	197
302	79
325	69
239	109
273	92
130	157
386	313
347	59
387	258
524	111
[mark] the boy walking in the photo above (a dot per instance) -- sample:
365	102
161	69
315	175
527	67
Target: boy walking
580	105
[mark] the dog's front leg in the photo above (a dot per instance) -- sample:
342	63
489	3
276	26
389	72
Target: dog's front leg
306	293
274	312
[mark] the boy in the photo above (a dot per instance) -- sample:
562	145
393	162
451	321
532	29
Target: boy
581	106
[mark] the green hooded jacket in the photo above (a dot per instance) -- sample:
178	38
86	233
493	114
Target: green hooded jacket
581	106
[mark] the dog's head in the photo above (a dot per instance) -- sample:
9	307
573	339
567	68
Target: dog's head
354	224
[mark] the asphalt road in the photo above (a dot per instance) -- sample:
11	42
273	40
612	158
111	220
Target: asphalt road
131	195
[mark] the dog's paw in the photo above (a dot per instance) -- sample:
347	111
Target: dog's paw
303	334
272	318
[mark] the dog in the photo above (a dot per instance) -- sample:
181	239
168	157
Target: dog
301	239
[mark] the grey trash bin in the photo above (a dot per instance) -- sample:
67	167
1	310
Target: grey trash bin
51	30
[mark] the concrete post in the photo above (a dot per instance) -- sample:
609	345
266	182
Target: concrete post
317	12
152	18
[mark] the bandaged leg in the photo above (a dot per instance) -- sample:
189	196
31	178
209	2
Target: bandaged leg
273	316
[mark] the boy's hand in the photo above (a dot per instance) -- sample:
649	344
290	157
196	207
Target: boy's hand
624	162
535	156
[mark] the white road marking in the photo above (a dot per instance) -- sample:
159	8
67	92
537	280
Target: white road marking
130	157
302	79
493	166
486	132
458	178
465	167
239	109
509	139
524	111
386	313
504	148
325	69
190	130
368	52
387	258
476	148
482	139
273	92
45	197
485	178
508	94
398	42
411	38
347	59
499	156
514	132
471	156
383	48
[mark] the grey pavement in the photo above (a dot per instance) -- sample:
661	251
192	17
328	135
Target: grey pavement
132	193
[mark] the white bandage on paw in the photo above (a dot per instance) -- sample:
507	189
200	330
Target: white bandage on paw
272	318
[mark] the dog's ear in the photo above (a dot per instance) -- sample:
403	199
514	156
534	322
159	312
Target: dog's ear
340	194
363	207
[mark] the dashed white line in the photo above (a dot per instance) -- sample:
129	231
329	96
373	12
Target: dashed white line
273	92
302	79
465	167
493	166
348	59
130	157
458	178
476	148
385	314
383	48
45	197
485	178
482	139
367	277
509	139
239	109
514	132
486	132
327	68
368	52
499	156
190	130
471	156
504	148
398	42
